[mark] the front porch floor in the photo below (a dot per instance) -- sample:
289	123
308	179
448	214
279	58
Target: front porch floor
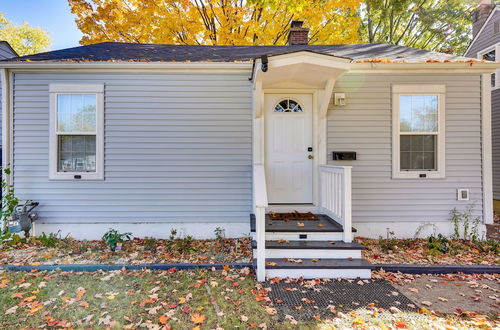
325	224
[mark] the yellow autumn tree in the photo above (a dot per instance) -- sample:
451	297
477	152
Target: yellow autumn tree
215	22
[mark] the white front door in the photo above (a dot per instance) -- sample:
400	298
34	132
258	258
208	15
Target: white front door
289	143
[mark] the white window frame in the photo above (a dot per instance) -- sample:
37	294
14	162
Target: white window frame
496	48
440	91
98	90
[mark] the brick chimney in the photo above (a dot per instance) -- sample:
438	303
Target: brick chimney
298	35
480	15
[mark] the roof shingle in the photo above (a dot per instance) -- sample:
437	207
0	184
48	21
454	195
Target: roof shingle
115	51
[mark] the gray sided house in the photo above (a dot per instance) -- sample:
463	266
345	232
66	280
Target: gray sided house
146	138
486	45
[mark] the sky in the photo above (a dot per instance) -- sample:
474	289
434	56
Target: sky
53	16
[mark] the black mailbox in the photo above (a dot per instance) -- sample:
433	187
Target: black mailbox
344	155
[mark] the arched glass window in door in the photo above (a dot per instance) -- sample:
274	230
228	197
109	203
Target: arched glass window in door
288	105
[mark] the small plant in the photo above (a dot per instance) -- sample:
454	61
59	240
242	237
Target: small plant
185	245
438	244
181	245
220	233
149	244
9	200
489	246
10	239
465	220
50	240
113	238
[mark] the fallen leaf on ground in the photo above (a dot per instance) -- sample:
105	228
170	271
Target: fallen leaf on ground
197	318
164	319
270	310
11	310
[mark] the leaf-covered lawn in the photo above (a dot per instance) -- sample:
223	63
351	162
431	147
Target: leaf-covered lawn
181	299
421	251
137	251
194	299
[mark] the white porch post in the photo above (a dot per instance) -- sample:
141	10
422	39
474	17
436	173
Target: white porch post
486	150
260	237
347	199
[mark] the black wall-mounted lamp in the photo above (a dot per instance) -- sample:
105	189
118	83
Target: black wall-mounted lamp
264	61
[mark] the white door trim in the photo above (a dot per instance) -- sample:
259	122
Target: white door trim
318	131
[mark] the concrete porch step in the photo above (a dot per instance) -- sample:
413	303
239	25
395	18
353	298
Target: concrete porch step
311	249
318	268
311	245
324	229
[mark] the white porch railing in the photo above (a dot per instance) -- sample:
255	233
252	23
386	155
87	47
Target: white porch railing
260	204
335	196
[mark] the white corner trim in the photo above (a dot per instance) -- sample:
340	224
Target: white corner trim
486	149
482	28
440	91
6	121
76	88
56	89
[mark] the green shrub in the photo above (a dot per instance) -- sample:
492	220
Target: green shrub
438	244
180	245
112	238
50	240
10	239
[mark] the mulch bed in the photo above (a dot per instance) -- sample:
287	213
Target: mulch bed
135	251
297	216
418	251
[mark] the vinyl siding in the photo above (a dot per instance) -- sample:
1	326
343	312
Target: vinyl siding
5	51
364	125
177	148
486	38
495	140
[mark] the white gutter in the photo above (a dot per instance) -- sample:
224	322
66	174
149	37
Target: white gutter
126	65
457	66
368	66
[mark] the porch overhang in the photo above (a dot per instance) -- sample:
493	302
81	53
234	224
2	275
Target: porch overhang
302	69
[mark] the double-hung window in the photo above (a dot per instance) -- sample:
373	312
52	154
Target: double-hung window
418	131
76	132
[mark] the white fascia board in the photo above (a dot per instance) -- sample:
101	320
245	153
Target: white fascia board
310	54
129	65
472	67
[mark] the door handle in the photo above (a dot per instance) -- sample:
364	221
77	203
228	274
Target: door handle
310	157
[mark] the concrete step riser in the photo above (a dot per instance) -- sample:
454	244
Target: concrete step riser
311	253
319	273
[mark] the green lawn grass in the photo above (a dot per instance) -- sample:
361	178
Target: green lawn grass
129	299
187	299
